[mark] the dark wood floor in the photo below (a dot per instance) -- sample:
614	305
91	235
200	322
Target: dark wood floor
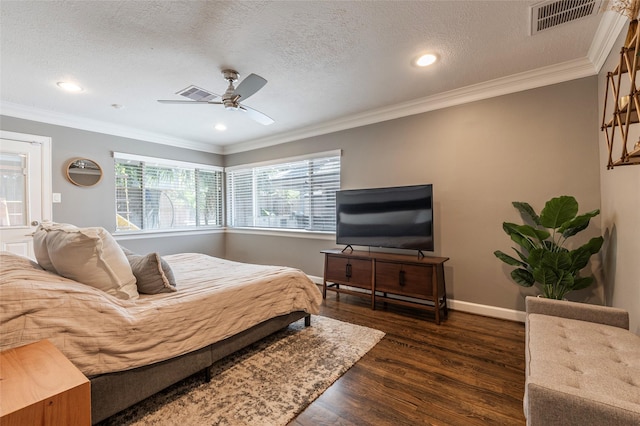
469	370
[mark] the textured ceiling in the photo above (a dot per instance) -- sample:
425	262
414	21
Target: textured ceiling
324	60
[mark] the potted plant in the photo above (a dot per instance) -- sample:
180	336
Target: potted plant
543	257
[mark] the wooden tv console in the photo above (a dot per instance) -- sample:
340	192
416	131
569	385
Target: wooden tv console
418	281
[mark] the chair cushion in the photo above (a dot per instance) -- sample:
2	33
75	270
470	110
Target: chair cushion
594	361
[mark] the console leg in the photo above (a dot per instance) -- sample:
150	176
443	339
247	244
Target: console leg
307	321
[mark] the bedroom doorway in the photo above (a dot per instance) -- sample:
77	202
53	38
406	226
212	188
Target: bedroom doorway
25	189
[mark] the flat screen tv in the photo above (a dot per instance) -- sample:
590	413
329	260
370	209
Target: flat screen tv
398	217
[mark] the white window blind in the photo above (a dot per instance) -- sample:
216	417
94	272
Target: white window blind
156	194
292	194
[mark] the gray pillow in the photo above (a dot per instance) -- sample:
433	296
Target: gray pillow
153	274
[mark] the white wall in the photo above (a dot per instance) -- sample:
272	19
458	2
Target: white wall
620	194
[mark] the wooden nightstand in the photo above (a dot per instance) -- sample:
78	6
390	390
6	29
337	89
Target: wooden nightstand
40	386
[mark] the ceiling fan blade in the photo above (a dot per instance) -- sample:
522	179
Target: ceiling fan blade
256	115
168	101
249	86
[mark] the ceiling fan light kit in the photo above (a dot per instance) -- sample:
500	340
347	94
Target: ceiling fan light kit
69	87
231	98
426	60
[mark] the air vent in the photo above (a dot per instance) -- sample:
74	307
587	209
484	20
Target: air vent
550	14
196	93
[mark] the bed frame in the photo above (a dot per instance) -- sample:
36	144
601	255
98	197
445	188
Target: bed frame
113	392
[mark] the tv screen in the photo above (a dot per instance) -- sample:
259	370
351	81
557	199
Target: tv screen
397	217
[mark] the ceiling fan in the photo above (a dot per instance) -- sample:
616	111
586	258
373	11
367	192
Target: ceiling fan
231	98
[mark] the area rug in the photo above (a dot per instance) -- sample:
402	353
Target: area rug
267	383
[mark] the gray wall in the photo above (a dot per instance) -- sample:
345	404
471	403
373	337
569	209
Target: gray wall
95	206
302	253
528	146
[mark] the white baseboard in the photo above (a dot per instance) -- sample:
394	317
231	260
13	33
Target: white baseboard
486	310
317	280
472	308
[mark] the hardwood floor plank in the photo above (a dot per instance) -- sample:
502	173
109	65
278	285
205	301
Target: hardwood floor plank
469	370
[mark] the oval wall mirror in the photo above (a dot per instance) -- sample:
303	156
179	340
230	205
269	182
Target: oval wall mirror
83	172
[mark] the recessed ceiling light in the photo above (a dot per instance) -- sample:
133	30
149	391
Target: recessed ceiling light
426	60
220	127
70	87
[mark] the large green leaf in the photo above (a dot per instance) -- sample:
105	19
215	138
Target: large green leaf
530	231
578	224
566	280
522	277
535	257
523	242
564	285
507	259
510	228
545	276
580	283
541	258
594	245
559	261
579	258
521	255
526	210
555	284
558	211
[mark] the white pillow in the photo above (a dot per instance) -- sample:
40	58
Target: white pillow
40	248
90	256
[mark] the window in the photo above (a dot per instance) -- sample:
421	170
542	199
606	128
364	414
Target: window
157	194
297	193
13	189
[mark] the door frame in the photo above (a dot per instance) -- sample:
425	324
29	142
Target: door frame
47	187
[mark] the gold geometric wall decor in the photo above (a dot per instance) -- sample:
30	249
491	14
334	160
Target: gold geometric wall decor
624	148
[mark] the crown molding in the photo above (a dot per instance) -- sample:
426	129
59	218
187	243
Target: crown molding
540	77
606	35
36	114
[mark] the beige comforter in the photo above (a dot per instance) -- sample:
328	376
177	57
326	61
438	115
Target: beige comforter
99	333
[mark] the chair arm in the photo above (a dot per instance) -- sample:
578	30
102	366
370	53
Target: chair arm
580	311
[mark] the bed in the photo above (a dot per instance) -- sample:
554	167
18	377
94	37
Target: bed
131	349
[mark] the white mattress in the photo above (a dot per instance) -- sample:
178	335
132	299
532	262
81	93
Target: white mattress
99	333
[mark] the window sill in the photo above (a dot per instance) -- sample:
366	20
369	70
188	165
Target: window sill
291	233
163	233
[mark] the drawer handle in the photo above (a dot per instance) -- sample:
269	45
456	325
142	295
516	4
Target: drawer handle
348	272
401	278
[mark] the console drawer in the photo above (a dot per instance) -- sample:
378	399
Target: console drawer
404	280
349	271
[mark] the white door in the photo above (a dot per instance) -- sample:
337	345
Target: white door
25	189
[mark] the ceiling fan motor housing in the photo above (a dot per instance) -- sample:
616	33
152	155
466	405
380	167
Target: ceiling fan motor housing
230	99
